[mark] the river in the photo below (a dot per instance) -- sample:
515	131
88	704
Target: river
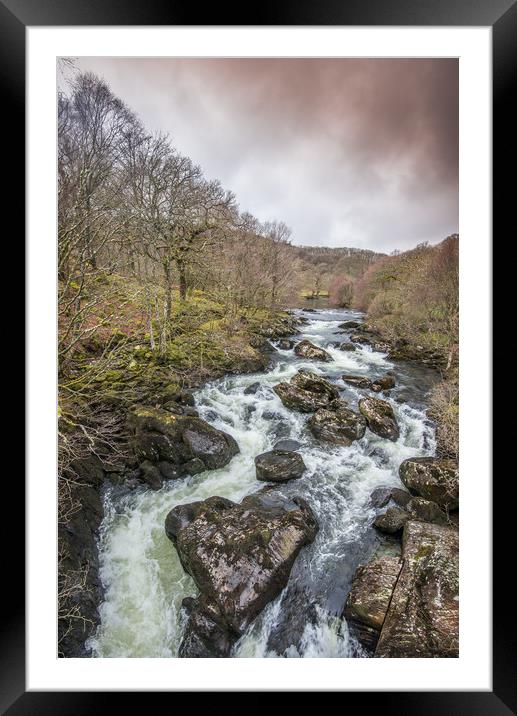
143	580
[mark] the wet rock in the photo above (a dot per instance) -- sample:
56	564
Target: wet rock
432	478
400	497
369	598
160	436
422	619
349	324
285	344
426	510
279	466
306	349
240	555
380	497
252	389
347	347
387	382
380	418
358	381
151	475
337	424
306	392
392	521
287	444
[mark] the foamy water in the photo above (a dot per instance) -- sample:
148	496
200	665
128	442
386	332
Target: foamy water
141	573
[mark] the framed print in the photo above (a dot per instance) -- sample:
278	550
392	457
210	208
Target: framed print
259	352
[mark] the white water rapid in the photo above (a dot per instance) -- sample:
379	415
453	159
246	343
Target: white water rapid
143	580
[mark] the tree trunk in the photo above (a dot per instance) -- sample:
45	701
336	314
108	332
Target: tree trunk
168	290
182	280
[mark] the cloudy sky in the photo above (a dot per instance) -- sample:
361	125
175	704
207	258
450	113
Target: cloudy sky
349	152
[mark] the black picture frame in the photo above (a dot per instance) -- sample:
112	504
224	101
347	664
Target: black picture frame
501	15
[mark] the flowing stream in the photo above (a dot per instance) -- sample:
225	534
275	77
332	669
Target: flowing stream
144	582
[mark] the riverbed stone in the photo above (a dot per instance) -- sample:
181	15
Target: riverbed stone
432	478
240	555
306	349
357	381
337	424
348	347
285	344
380	418
252	389
367	604
279	466
387	382
423	616
380	497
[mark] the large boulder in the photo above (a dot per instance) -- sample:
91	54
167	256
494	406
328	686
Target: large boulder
369	598
188	443
240	557
380	418
306	349
279	466
432	478
422	618
337	424
306	392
